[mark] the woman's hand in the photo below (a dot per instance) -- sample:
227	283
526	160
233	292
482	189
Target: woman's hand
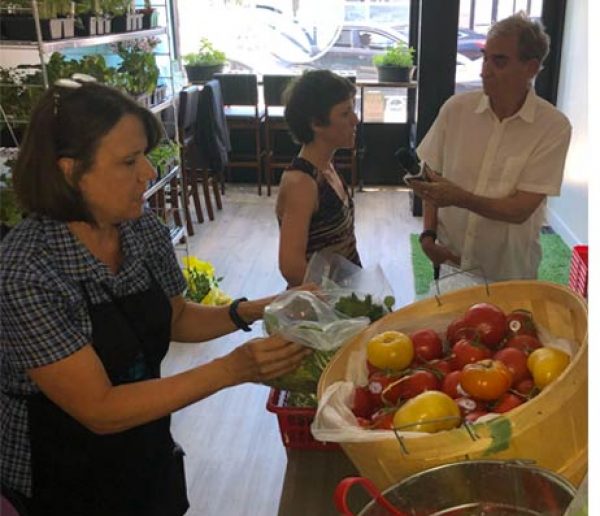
254	310
263	359
438	253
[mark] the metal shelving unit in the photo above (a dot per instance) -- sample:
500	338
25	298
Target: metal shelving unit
83	42
178	233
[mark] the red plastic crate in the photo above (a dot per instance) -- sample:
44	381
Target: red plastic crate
578	275
294	423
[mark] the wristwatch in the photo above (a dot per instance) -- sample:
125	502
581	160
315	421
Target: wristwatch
428	233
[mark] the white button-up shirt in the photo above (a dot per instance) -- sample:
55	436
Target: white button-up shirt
468	145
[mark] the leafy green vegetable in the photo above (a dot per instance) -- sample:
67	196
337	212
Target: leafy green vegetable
301	399
305	378
353	306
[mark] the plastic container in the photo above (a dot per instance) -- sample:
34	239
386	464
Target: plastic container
498	488
550	429
578	275
294	423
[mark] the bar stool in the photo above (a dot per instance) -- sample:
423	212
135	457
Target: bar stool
243	115
279	146
187	113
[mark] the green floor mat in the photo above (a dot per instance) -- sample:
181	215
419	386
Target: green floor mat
556	259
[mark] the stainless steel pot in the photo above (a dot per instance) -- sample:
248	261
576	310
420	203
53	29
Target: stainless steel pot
478	488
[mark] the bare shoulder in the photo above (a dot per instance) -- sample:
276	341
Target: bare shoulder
296	190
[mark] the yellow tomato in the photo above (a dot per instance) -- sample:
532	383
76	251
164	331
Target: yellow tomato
546	364
390	350
430	411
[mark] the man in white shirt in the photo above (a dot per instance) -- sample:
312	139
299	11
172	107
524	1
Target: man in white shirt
496	154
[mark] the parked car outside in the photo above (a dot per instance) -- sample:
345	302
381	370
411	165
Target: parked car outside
470	43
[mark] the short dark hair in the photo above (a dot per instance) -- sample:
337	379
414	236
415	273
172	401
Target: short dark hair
310	97
70	122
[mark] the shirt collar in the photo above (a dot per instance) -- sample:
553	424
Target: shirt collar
527	111
74	258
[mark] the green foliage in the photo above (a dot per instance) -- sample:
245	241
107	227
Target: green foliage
10	213
207	55
115	7
399	55
164	154
353	306
139	69
306	376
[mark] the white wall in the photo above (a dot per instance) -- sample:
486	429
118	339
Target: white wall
568	214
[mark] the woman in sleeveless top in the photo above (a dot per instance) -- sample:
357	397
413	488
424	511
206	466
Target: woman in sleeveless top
314	208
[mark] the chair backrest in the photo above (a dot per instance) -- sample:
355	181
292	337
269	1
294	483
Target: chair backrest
273	88
238	89
188	111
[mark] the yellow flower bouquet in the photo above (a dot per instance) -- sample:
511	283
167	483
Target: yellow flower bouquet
202	283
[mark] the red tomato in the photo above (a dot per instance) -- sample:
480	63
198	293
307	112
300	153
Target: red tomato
489	321
506	402
427	345
485	380
440	368
450	384
455	330
520	322
383	419
372	369
468	405
378	382
525	386
364	423
516	361
525	343
409	386
467	351
471	417
362	405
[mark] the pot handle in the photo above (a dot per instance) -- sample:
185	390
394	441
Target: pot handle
342	489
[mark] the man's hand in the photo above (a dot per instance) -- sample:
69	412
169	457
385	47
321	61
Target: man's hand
438	253
438	191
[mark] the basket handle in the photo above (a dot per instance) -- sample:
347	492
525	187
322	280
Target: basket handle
461	271
341	492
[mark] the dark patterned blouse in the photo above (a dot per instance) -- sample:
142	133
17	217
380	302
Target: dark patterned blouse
332	225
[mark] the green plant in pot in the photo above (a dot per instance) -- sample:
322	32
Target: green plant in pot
202	65
395	64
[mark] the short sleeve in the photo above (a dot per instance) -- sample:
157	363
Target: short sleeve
39	326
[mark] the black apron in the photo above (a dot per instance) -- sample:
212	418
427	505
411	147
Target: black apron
137	472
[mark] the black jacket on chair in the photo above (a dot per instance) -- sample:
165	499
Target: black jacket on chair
212	133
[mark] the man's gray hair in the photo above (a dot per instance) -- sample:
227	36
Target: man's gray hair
532	40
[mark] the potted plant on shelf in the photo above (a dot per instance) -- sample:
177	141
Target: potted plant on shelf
138	68
149	15
164	156
395	64
202	65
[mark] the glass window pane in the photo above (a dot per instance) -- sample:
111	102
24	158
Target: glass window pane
475	18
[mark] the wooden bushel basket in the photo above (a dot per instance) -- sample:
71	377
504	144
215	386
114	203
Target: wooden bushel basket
550	429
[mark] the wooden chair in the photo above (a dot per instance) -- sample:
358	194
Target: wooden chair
187	112
193	162
279	146
243	116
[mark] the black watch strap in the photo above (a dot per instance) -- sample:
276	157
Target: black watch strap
235	317
428	233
